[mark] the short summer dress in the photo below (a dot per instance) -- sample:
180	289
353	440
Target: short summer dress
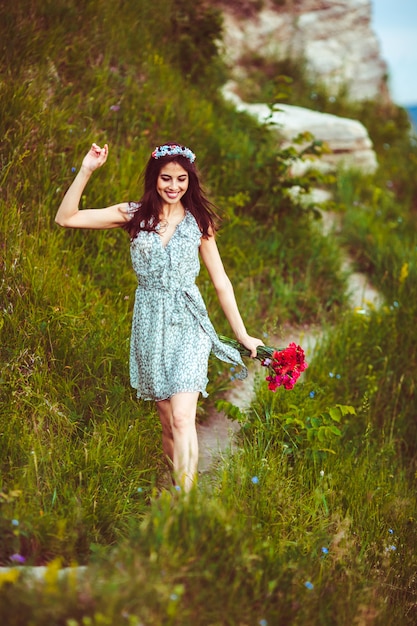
172	335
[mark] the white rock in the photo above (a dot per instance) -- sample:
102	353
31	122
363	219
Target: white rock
335	37
347	140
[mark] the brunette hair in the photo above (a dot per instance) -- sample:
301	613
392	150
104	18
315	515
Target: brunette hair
195	201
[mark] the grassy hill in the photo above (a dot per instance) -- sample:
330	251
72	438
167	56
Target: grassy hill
313	520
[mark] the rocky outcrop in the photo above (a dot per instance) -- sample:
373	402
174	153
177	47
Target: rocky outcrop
348	140
333	37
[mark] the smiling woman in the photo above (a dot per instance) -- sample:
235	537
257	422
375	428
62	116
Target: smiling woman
172	335
172	185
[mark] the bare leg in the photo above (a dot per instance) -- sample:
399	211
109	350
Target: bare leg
183	407
165	416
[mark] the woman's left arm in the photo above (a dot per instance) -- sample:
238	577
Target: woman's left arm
224	289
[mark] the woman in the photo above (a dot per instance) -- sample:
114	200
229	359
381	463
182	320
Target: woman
172	335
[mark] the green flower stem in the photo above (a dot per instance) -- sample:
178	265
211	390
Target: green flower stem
262	352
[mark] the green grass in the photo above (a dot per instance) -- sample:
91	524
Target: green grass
330	464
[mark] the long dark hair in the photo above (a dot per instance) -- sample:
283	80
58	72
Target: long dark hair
147	216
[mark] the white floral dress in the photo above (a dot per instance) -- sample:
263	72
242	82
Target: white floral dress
172	335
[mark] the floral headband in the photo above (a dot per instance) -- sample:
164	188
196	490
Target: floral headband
167	150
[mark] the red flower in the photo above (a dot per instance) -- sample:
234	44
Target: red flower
285	367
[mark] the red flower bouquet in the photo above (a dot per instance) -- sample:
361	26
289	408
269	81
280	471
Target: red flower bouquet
284	365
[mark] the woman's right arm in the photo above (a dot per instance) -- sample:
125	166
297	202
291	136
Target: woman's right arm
70	216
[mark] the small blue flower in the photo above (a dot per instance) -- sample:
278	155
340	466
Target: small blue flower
312	394
391	532
140	489
395	303
255	480
232	369
338	376
308	585
177	488
331	374
232	378
263	622
325	550
391	548
15	522
73	169
17	558
173	597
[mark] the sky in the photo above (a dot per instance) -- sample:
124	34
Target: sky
395	24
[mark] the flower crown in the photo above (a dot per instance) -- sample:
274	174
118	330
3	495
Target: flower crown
167	150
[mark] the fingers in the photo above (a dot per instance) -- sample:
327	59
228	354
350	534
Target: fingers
254	350
100	152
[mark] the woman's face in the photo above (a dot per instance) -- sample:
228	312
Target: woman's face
172	183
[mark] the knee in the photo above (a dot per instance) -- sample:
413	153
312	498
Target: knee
182	421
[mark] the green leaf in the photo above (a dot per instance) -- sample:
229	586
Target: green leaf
346	409
231	410
335	430
335	413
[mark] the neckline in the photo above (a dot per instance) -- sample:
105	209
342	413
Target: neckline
164	246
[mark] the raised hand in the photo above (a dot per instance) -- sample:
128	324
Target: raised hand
96	157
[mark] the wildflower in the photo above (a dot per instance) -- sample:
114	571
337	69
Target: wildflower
338	376
73	169
391	548
173	597
308	585
391	532
17	558
312	394
177	488
331	374
15	522
322	473
232	369
395	304
263	622
325	550
140	489
255	480
115	107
